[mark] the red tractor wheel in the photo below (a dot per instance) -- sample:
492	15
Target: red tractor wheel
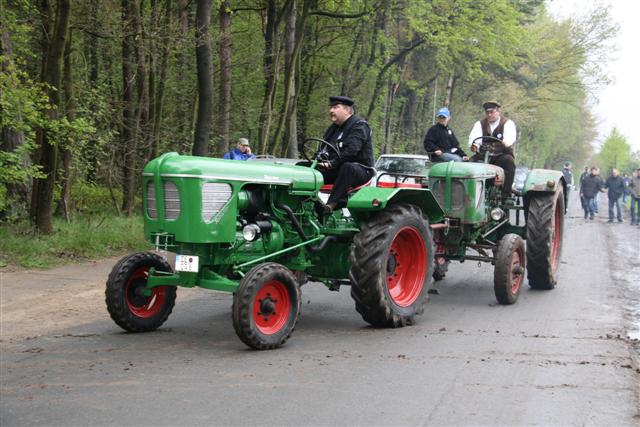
266	306
391	266
508	274
127	303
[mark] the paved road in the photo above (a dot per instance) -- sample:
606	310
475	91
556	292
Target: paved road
557	357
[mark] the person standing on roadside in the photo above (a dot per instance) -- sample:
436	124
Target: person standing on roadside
591	186
583	175
568	179
615	185
627	181
634	194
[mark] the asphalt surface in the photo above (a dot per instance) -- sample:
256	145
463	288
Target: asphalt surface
557	357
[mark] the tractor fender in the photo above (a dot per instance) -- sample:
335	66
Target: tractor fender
369	200
544	180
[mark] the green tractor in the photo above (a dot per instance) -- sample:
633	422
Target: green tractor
252	229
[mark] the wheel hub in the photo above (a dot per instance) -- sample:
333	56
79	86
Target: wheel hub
392	263
267	307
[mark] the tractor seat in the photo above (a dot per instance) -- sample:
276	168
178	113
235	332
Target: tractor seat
499	180
328	187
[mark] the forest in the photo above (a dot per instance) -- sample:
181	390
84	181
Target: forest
92	90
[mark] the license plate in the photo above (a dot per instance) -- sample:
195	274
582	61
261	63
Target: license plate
187	263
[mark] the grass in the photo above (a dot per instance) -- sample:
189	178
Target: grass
83	239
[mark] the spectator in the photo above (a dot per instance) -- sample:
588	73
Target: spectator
627	181
241	152
616	188
591	186
568	179
634	194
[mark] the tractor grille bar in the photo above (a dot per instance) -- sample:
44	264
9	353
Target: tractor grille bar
152	210
214	197
171	201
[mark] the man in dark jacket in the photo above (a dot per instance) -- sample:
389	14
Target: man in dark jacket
351	136
616	187
591	186
568	179
634	193
440	141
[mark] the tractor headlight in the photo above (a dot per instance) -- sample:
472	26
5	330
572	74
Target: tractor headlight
497	214
250	232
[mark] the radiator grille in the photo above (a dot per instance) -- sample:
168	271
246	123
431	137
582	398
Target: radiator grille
152	211
214	197
171	201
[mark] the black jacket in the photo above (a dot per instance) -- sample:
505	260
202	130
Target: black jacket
616	186
353	140
591	185
441	137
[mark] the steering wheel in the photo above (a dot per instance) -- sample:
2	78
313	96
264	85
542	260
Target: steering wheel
488	145
316	155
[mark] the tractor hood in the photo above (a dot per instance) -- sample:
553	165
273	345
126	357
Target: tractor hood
173	165
462	170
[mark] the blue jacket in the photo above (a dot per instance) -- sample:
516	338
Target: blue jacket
236	154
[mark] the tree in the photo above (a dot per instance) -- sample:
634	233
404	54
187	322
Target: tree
205	79
42	197
615	152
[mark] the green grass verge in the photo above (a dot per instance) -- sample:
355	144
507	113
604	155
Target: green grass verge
83	239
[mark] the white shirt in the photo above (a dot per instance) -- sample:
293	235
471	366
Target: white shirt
509	137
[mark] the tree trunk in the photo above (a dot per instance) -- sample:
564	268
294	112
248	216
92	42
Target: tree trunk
92	151
41	210
270	64
205	79
159	95
225	77
449	91
69	106
293	47
128	110
10	138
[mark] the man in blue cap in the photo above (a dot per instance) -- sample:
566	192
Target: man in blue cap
351	135
441	143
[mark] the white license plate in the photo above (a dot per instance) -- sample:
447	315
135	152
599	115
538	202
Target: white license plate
187	263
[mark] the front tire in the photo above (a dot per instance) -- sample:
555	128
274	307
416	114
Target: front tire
126	303
266	306
391	266
508	274
545	227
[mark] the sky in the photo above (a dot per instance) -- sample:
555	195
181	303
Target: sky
618	104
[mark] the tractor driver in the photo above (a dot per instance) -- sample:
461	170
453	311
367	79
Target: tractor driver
351	135
504	129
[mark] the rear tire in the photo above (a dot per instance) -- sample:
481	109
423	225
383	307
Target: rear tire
391	266
266	306
127	305
508	274
545	227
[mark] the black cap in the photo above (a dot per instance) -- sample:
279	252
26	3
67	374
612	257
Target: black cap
491	104
344	100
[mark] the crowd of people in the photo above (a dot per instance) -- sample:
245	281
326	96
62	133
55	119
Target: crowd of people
618	188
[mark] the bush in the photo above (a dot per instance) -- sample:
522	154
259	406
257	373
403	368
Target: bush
84	238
